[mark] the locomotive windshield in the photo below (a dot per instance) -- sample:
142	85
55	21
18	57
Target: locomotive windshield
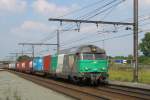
95	56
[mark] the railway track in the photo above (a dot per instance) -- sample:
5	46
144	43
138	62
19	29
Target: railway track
89	93
142	94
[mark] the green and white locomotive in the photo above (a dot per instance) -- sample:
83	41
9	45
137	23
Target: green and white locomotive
86	63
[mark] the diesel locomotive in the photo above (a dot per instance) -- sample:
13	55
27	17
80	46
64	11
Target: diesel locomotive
83	64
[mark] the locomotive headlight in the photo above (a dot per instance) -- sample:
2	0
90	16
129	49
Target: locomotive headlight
95	69
94	62
103	68
86	68
93	49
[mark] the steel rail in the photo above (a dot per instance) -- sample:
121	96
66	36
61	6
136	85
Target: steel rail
127	91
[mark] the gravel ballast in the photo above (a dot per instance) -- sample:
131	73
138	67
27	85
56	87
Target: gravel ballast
13	87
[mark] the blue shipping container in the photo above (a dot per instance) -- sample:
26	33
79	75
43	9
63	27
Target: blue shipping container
38	64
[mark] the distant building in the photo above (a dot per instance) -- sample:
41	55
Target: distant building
120	61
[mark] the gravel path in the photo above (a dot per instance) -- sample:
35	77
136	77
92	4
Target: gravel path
13	87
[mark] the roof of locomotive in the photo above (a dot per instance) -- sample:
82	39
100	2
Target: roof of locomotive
83	49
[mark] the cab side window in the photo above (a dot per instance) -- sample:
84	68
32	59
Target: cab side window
71	60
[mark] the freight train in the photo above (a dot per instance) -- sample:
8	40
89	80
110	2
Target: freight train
83	64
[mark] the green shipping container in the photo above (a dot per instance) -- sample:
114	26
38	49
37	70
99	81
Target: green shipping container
54	63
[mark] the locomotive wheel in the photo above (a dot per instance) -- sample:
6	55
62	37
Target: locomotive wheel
94	83
104	82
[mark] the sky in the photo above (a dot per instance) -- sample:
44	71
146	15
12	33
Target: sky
27	21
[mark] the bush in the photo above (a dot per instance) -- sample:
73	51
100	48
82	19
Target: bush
144	60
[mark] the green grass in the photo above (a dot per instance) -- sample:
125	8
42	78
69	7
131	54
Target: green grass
144	76
122	73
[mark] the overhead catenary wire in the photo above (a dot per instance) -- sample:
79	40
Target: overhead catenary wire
87	36
101	12
103	40
85	16
106	9
120	36
106	39
109	11
82	8
49	37
109	7
82	18
115	5
88	14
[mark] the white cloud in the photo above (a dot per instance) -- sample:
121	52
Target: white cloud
30	29
146	1
143	4
32	25
13	5
47	8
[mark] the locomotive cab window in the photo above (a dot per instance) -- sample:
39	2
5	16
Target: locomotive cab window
96	56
